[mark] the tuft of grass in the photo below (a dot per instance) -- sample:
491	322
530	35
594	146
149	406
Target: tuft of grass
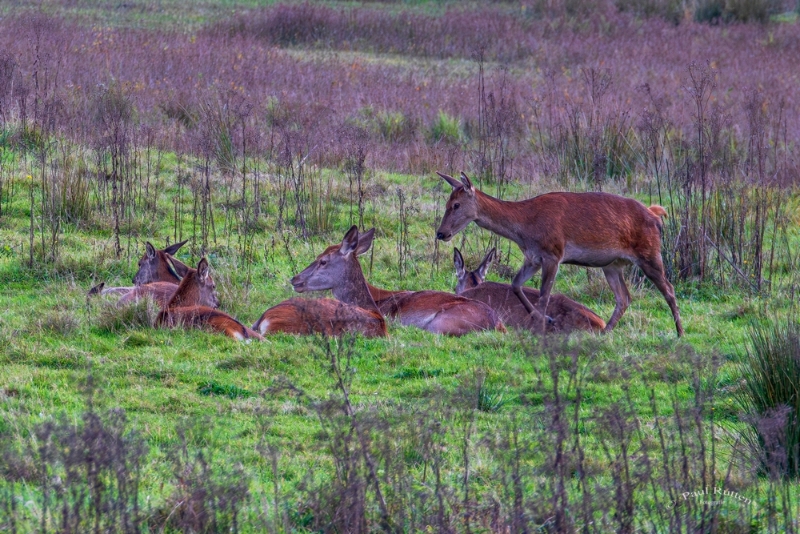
227	390
416	372
771	374
137	339
59	322
235	363
115	320
446	129
491	397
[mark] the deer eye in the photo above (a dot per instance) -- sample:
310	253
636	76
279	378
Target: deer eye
322	262
455	206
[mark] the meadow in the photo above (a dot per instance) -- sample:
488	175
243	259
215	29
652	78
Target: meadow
261	133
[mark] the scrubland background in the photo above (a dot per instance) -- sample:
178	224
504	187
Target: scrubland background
261	131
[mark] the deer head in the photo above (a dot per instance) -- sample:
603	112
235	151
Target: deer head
470	279
196	289
159	265
328	270
461	208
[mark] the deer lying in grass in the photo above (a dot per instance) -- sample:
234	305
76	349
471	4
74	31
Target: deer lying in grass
567	314
337	269
435	311
587	229
194	303
155	267
160	265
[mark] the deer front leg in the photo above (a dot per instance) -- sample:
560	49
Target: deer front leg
549	272
525	273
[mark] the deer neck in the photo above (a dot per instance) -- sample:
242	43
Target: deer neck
171	269
186	294
496	215
354	290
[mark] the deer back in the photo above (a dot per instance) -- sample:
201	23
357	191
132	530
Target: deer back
161	292
567	314
441	313
327	317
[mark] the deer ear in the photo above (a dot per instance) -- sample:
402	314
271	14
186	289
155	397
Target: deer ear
202	269
96	290
484	266
458	261
450	180
365	241
150	250
350	241
172	249
465	181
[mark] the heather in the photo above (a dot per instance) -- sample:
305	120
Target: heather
261	133
171	76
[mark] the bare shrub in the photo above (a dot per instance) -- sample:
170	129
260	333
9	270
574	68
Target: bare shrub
87	472
204	499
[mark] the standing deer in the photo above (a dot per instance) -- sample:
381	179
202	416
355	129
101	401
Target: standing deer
337	268
194	303
435	311
567	314
587	229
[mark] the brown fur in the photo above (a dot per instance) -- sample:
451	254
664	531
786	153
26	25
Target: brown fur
160	266
440	312
196	289
567	314
194	302
161	292
435	311
587	229
337	269
328	317
154	266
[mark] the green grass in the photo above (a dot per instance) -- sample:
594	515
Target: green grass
230	399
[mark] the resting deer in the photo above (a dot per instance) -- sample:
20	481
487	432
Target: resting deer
435	311
567	314
156	266
337	269
194	303
587	229
160	266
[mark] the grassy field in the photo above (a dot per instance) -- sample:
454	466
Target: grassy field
261	134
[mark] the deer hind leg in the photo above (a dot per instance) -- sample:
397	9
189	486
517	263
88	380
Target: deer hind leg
654	270
616	279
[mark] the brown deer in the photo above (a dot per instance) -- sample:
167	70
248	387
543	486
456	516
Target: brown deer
156	266
194	303
567	314
435	311
588	229
160	266
160	292
337	269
